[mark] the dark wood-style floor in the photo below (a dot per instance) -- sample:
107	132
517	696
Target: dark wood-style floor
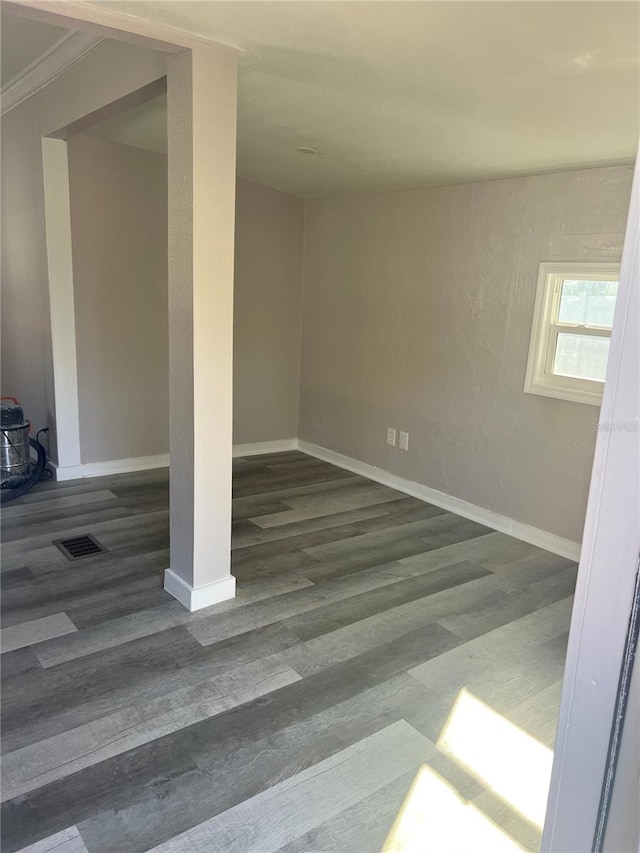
372	635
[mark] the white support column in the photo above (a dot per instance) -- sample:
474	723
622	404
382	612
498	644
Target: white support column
201	118
66	443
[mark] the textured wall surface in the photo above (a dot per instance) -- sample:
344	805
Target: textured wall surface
267	313
119	233
26	322
417	315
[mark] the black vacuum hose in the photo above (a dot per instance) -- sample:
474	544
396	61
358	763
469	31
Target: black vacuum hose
7	495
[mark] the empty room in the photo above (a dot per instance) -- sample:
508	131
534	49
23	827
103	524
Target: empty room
320	419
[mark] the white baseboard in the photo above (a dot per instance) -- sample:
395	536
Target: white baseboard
279	446
147	463
504	524
124	466
517	529
195	598
112	466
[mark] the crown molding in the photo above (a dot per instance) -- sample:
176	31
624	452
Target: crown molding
92	16
70	49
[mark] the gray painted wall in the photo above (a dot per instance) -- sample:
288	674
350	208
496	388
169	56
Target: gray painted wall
119	214
417	315
119	233
267	313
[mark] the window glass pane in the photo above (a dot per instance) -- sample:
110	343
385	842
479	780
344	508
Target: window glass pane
589	303
581	356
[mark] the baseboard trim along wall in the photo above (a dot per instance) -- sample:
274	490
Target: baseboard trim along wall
195	598
503	524
147	463
123	466
113	466
279	446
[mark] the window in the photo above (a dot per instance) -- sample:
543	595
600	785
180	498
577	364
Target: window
571	331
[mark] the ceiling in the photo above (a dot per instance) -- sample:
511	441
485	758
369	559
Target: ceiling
23	42
405	94
144	126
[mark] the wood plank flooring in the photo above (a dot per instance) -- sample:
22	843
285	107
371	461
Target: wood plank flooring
373	635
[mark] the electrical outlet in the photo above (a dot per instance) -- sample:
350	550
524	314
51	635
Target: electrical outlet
391	436
404	441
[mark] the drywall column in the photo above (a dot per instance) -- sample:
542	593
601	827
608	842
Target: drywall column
201	117
55	171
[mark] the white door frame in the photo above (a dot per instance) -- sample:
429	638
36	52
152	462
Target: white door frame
606	577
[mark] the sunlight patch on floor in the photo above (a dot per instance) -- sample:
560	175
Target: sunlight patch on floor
434	817
507	760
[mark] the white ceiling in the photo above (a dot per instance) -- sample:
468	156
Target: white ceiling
405	94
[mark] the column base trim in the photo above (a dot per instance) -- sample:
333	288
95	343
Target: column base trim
195	598
65	472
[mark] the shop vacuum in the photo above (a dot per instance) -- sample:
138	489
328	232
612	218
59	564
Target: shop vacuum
22	458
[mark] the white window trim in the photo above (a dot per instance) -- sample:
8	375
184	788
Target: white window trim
539	377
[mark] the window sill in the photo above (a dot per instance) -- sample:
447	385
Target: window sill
564	392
